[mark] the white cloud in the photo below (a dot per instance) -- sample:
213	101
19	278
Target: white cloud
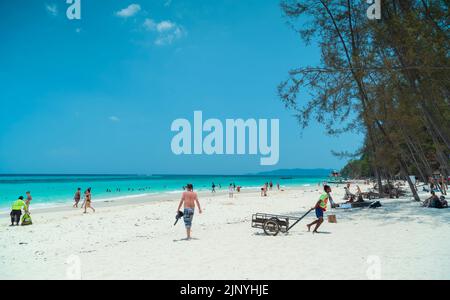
114	119
51	9
150	24
169	38
165	26
167	31
130	11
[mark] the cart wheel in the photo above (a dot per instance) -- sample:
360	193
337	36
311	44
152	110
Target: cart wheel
271	227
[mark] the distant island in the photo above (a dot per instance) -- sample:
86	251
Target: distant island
296	172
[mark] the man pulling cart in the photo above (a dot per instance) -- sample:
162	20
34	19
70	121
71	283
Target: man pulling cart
274	224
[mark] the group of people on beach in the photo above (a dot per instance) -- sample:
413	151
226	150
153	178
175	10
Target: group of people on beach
23	205
18	206
439	184
435	202
189	201
352	197
87	203
119	190
233	188
436	184
268	186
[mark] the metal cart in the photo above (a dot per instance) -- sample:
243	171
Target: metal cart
274	224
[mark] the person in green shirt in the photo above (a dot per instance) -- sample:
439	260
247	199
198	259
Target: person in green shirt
320	208
16	210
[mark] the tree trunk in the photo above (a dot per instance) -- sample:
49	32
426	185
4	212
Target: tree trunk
419	150
408	179
376	168
416	163
353	61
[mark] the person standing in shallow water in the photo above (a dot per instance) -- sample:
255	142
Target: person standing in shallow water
189	199
320	208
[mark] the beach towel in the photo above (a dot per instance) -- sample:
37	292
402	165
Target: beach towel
26	219
345	206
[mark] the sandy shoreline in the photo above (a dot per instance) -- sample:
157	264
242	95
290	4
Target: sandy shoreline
138	241
120	201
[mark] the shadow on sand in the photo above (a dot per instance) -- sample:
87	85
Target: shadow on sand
185	240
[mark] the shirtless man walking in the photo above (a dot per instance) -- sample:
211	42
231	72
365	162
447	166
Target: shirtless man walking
189	198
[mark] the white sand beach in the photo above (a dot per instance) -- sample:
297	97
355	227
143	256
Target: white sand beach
137	240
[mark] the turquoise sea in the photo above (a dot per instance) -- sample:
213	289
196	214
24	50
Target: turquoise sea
51	190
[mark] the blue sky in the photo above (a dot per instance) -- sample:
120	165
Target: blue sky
98	95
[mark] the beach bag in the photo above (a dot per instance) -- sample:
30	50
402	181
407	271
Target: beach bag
332	219
26	219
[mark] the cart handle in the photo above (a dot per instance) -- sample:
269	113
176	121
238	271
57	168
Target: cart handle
300	219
